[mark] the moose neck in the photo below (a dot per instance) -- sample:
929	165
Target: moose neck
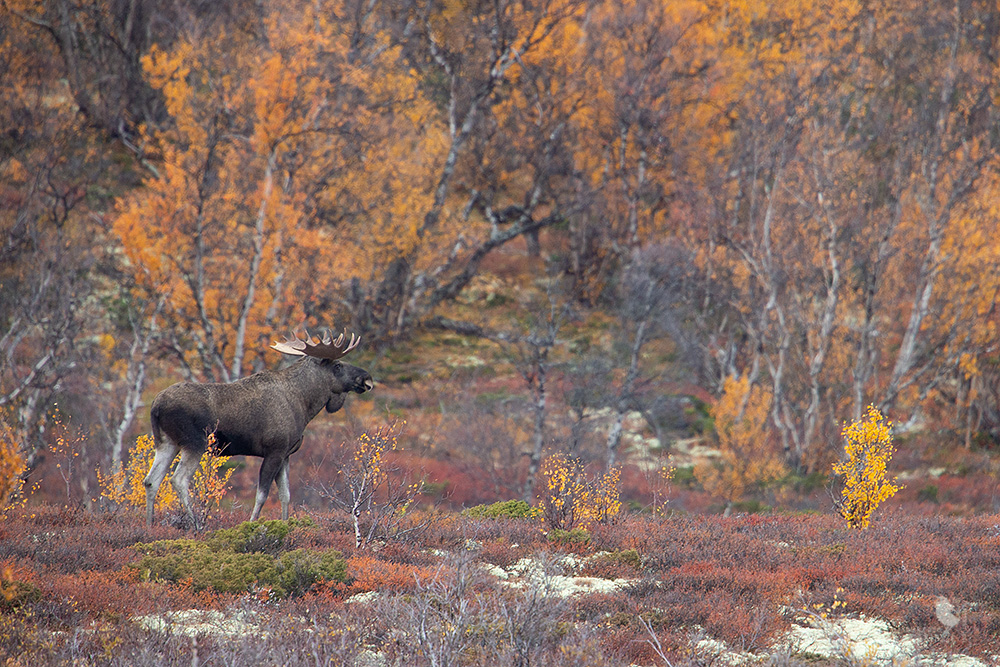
311	379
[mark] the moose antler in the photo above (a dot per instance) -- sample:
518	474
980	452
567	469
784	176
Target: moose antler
325	348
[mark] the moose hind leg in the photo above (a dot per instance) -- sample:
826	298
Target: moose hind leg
165	454
181	481
284	493
269	469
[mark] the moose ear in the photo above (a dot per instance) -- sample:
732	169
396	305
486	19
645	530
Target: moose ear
336	402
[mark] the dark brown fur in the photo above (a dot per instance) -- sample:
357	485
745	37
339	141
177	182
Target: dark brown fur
262	415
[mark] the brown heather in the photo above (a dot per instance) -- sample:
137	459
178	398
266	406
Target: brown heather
74	588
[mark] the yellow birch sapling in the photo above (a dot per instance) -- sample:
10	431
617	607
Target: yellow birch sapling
124	487
570	499
868	450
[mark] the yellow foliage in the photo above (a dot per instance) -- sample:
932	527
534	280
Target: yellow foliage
374	492
125	488
11	465
367	472
748	456
570	499
371	450
868	450
210	481
267	126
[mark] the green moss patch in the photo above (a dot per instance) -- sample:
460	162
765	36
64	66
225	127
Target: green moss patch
238	559
507	509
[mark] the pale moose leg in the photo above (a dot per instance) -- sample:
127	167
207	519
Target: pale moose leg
165	454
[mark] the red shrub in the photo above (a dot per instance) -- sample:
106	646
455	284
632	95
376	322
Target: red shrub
100	593
368	573
502	552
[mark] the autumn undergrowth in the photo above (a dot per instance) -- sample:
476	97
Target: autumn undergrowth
476	586
738	579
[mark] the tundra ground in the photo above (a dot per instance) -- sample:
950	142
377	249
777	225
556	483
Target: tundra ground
682	590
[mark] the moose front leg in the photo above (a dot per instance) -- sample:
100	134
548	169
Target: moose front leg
270	467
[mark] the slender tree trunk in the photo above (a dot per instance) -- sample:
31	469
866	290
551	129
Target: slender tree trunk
254	270
818	360
614	438
905	358
538	441
621	404
136	378
30	430
208	350
356	519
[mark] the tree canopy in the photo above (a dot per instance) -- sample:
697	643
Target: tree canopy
188	178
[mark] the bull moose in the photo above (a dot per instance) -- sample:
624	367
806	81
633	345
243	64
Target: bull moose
261	415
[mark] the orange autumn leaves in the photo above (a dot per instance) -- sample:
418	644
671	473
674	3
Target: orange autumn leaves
305	158
261	154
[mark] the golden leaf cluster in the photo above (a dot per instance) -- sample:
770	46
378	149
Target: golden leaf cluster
569	498
868	450
370	451
211	479
124	487
748	457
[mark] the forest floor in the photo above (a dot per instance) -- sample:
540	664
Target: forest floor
683	589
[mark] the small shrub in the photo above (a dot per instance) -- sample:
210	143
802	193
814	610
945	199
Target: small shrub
15	593
613	564
867	451
256	536
124	487
570	499
372	490
928	494
504	509
575	536
211	479
295	572
629	557
237	559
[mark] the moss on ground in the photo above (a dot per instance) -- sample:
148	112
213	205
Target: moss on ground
238	559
